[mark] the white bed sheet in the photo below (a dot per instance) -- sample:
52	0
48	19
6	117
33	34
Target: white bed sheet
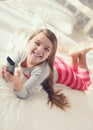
33	113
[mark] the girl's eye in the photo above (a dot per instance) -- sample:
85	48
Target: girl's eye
37	43
46	49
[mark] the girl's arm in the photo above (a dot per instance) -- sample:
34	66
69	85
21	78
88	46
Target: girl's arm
38	75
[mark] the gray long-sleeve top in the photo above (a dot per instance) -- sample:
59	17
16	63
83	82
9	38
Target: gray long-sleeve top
36	75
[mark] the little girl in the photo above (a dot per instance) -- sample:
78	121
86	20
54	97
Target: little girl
40	67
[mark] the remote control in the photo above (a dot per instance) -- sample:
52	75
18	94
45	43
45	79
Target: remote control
10	65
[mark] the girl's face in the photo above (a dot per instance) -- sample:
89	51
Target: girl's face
39	49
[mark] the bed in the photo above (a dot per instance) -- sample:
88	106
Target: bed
34	113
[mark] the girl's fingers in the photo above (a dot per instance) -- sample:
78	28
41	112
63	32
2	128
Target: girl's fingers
3	69
18	73
8	76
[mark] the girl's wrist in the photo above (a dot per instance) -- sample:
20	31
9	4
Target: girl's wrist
17	87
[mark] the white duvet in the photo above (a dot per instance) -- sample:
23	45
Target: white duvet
33	113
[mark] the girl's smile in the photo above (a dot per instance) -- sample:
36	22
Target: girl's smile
37	55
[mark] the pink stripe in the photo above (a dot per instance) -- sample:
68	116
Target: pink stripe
84	76
86	72
69	77
64	68
27	76
79	84
58	70
74	82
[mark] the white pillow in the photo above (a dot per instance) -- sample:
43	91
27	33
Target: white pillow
57	19
53	13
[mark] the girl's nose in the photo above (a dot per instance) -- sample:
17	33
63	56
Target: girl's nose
40	50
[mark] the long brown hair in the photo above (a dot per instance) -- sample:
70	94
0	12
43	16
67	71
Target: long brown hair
59	100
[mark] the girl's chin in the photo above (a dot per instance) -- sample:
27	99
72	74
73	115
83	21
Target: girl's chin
35	62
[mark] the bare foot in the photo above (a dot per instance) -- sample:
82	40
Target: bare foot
82	47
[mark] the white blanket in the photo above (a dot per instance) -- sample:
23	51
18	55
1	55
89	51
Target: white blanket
33	113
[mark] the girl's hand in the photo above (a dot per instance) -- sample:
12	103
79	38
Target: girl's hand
15	80
3	70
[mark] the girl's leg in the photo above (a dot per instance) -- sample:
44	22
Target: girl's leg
81	72
78	55
73	77
74	62
82	64
79	61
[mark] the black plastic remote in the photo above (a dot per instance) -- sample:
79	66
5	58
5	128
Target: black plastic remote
10	65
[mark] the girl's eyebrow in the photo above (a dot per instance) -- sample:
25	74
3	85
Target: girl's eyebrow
41	42
38	41
48	47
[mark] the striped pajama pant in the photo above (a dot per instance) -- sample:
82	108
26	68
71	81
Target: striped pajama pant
73	78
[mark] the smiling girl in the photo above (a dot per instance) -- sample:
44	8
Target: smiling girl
40	67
